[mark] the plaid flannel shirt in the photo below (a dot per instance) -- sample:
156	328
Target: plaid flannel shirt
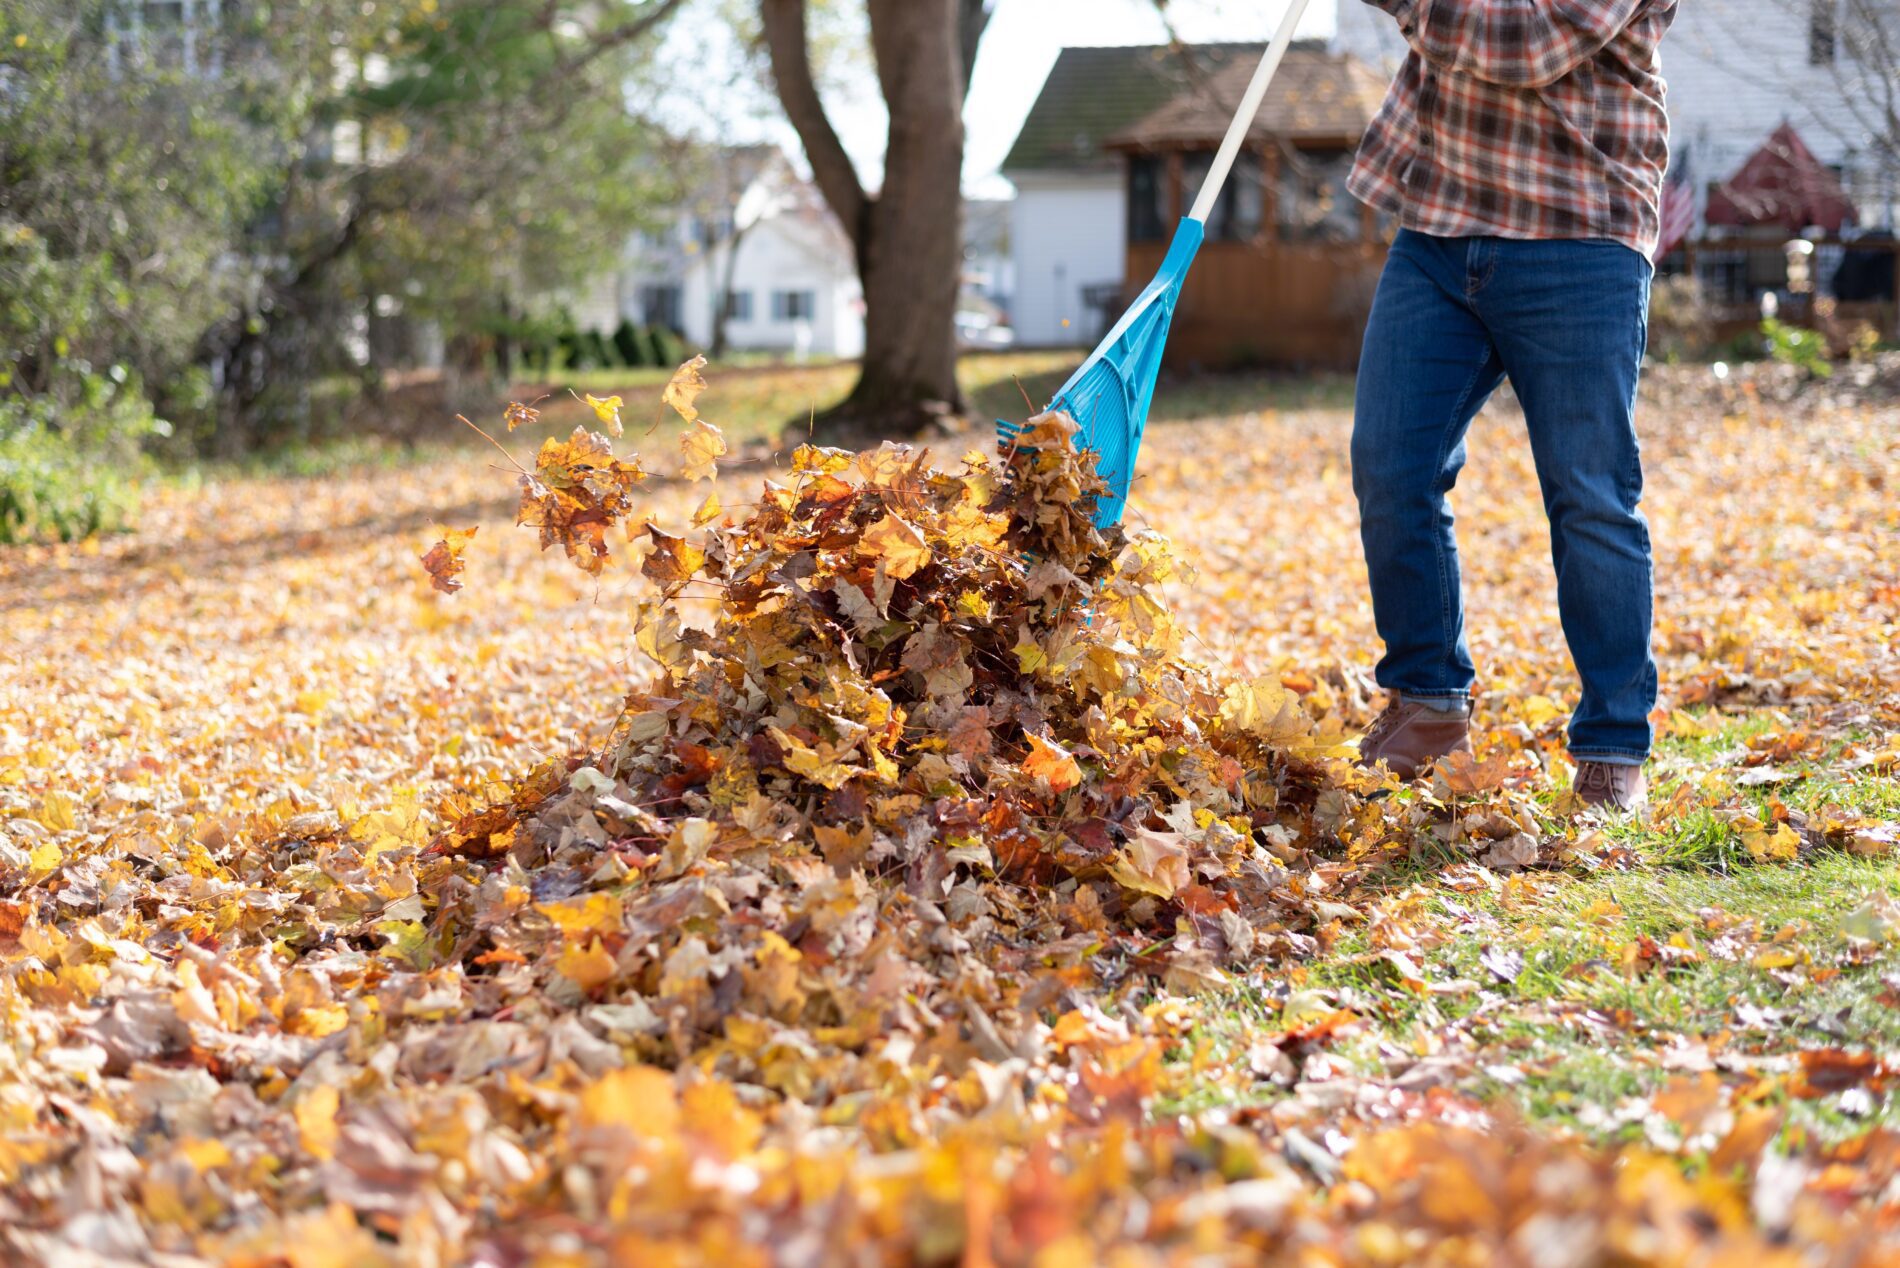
1523	119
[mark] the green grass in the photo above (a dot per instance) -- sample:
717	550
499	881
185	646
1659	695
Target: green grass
1584	1026
751	402
320	459
1698	946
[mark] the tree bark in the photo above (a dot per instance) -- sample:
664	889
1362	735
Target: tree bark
973	18
909	238
722	302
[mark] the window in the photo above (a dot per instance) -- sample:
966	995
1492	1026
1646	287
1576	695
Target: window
1314	205
1147	199
1824	29
660	306
1240	212
167	35
738	305
794	305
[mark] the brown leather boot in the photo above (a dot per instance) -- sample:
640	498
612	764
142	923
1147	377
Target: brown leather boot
1408	737
1608	787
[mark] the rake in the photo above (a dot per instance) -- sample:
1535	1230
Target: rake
1112	392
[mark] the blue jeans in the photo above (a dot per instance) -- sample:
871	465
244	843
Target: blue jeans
1567	321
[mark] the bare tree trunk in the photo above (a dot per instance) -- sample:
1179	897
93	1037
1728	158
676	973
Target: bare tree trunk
722	302
909	239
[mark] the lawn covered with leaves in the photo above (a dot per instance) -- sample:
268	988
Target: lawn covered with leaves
882	867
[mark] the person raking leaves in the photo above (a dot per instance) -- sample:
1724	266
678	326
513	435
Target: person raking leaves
1522	149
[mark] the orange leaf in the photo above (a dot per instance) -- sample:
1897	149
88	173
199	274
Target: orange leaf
1052	764
901	547
444	562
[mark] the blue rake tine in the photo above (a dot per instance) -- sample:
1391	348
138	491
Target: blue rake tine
1110	395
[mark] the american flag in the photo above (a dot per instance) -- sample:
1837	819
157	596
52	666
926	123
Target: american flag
1678	206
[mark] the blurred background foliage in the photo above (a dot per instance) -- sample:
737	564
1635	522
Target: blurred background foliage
210	230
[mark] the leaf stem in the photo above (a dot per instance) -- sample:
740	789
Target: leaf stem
497	444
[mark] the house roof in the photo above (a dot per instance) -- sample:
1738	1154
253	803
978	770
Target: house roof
1317	96
1093	93
1784	185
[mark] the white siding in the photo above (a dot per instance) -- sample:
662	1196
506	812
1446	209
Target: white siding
782	254
1068	233
599	306
1736	70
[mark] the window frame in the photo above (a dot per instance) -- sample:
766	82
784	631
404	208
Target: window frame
1824	32
790	306
1147	209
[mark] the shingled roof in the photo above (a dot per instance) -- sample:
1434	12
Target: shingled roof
1317	96
1093	93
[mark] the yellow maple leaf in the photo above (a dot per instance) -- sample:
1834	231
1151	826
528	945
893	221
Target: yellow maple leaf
708	511
1772	845
1029	655
972	603
43	859
592	914
1153	863
588	967
901	547
1265	710
58	811
318	1021
823	765
607	410
703	445
316	1121
683	389
716	1119
639	1098
204	1154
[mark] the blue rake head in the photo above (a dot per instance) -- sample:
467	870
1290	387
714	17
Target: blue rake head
1110	395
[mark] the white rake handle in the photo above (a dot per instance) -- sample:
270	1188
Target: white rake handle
1249	107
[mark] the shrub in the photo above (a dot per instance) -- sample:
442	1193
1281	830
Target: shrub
71	471
1791	345
668	350
634	351
572	352
600	354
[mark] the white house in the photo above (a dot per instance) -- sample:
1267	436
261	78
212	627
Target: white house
766	241
1737	70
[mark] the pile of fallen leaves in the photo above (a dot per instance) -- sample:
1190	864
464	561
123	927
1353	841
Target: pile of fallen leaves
941	703
864	937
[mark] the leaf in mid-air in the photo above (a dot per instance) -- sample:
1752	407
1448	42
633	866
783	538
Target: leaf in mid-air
683	389
607	410
444	562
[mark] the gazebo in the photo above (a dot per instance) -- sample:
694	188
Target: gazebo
1291	259
1782	187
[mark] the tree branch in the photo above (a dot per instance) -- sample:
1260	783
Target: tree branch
783	22
600	45
973	18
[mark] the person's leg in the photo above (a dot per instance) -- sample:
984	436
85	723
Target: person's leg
1570	320
1427	367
